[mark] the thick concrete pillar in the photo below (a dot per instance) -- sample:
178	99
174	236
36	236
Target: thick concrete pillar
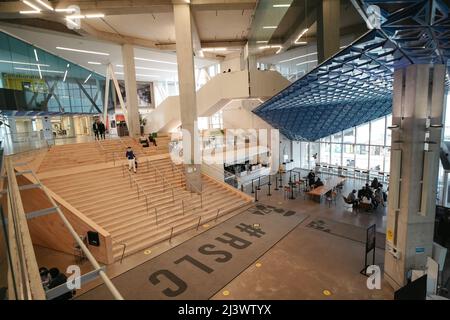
188	98
328	28
129	74
416	136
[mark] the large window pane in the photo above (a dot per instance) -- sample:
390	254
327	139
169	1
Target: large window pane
313	154
325	153
362	134
349	136
348	155
376	158
362	157
387	159
377	129
304	155
337	137
336	152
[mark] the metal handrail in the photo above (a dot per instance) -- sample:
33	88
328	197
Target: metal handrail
138	187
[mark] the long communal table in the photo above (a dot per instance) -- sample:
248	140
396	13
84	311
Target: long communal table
329	184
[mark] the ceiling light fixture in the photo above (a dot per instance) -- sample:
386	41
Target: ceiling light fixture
95	15
93	62
37	70
40	72
88	77
272	47
65	75
83	51
26	63
151	60
299	57
65	10
75	16
49	7
281	5
139	74
214	49
30	12
262	41
147	68
269	27
36	55
300	35
33	6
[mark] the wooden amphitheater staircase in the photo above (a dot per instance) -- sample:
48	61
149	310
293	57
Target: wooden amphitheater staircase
142	209
60	157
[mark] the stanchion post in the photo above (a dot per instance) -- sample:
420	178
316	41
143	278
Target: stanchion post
256	195
198	223
253	189
171	234
269	184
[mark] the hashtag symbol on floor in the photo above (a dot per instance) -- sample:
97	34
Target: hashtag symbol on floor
252	231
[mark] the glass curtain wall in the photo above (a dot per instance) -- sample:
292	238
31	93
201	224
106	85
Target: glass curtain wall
32	79
365	147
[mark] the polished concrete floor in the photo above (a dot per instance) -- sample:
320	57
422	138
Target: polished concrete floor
306	264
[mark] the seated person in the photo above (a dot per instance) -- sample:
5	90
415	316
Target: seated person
375	184
351	198
311	177
318	183
368	191
144	141
57	279
45	277
361	192
152	139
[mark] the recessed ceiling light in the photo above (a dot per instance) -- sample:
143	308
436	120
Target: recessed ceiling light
269	27
28	3
262	41
37	70
95	15
36	55
300	35
147	68
88	77
281	5
75	16
49	7
65	75
151	60
26	63
272	47
214	49
65	10
93	62
83	51
30	12
140	74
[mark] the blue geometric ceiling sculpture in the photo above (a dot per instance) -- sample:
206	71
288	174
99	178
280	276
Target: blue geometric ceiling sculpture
355	85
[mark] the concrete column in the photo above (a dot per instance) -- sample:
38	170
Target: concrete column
188	97
328	25
129	74
416	115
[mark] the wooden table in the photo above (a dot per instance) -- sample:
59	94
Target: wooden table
329	185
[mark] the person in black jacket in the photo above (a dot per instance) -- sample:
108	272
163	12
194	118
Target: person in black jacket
57	279
311	177
95	128
101	129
